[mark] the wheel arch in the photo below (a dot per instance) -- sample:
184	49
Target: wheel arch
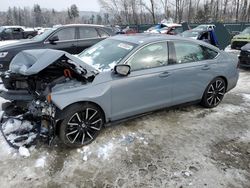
60	113
225	79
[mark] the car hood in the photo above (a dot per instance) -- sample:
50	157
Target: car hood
5	46
242	36
29	62
6	42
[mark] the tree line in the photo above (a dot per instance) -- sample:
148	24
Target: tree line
196	11
126	12
42	17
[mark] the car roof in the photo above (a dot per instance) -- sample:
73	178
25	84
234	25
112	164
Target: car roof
140	38
78	25
12	26
145	38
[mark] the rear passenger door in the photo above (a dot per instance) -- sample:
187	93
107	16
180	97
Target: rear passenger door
87	36
191	71
67	40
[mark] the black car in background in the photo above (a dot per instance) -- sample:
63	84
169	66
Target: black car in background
244	58
70	38
16	32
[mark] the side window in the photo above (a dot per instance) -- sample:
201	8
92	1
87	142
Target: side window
8	30
209	53
178	30
16	30
66	34
103	33
151	56
87	32
188	52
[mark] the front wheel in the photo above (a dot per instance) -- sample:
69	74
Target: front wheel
214	93
81	125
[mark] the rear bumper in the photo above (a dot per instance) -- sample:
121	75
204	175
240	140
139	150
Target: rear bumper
244	61
237	44
232	82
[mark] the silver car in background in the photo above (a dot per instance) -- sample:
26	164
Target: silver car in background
128	75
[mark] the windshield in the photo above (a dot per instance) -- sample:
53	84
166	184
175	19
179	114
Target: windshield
106	54
44	35
190	34
246	31
1	29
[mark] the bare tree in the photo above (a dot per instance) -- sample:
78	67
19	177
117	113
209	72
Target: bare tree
151	9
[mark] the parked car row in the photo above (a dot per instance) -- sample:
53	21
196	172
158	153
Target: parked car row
70	38
16	32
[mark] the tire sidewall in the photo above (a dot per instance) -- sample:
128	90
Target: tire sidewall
67	114
204	98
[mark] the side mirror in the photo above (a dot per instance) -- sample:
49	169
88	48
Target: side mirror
122	69
53	39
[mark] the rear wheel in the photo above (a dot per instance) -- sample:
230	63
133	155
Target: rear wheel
81	125
29	36
214	93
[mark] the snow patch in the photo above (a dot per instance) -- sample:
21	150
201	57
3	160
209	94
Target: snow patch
229	108
246	97
24	152
40	163
105	151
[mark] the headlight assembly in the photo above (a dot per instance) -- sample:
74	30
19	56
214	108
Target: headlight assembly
3	54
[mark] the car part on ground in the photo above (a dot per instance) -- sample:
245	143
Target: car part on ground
132	77
70	38
241	39
244	58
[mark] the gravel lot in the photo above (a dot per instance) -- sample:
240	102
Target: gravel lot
185	147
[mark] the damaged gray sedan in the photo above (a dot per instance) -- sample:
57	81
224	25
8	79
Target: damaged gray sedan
73	97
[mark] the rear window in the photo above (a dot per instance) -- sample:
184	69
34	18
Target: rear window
190	52
103	33
87	32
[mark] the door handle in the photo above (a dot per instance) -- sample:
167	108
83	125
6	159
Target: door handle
164	75
205	67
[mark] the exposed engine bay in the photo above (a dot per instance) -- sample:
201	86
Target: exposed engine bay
28	114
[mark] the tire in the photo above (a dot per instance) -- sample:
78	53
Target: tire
214	93
29	36
81	125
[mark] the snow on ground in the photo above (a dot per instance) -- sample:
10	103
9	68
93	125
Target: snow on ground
183	147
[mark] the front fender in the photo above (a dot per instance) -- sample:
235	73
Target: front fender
99	94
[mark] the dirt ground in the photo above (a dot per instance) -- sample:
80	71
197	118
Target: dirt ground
185	147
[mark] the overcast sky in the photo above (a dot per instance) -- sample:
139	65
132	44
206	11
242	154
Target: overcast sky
83	5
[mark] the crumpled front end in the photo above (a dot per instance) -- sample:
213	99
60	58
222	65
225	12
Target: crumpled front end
29	113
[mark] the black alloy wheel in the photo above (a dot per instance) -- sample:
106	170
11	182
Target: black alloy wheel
81	125
214	93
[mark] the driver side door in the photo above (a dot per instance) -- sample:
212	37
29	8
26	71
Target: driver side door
67	40
148	87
